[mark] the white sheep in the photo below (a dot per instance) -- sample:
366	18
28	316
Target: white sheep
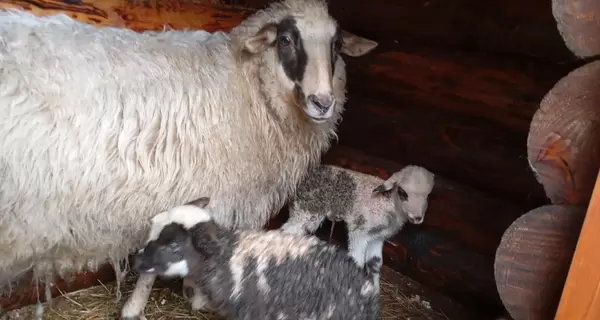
374	210
250	275
102	127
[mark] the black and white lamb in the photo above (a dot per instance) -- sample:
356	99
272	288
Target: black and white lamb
249	275
373	209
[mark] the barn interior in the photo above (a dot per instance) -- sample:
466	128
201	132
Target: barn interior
497	98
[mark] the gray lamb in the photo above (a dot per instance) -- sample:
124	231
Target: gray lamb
373	209
249	275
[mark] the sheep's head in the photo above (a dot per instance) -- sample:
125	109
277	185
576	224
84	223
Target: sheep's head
410	188
169	242
302	43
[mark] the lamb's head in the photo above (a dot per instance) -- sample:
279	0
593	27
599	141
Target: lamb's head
169	243
301	45
410	188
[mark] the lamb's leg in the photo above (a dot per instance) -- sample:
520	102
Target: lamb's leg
358	241
374	259
135	305
194	295
302	221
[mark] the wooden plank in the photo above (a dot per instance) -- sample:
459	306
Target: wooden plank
138	15
480	153
510	27
580	299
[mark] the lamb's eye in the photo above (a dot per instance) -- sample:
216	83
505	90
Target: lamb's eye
284	41
402	194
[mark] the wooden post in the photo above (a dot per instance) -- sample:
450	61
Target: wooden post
580	299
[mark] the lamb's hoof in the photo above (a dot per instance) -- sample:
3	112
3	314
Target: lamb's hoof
134	318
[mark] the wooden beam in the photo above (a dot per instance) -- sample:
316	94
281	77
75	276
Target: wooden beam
533	259
580	299
564	138
503	90
480	153
579	25
510	27
139	15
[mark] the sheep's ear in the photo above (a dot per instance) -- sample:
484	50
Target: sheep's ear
262	40
200	203
356	46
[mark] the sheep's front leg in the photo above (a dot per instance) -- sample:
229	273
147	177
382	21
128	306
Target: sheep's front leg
302	222
135	305
357	246
374	259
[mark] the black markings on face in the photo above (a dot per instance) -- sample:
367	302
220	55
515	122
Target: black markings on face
167	248
402	194
336	47
290	49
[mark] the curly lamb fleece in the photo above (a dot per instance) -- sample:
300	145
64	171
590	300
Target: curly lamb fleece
104	127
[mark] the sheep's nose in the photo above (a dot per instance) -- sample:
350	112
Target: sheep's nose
417	220
322	101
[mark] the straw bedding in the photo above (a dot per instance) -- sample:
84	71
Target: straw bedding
98	303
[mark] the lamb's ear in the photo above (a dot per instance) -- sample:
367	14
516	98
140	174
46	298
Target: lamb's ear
200	203
205	238
264	38
386	186
356	46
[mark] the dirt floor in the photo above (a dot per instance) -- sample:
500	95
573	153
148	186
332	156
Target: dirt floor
402	298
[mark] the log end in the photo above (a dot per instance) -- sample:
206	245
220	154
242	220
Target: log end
564	138
578	22
533	260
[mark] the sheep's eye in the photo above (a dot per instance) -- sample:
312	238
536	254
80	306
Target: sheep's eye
284	41
402	194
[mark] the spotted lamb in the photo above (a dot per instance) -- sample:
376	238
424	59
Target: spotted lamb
249	275
373	209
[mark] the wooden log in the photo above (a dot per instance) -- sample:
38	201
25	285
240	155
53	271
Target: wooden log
510	27
503	90
579	25
138	15
563	146
533	259
480	153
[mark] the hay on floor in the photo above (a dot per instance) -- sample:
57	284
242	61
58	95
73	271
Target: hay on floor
98	303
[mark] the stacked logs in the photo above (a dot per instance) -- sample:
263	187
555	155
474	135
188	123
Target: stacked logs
563	150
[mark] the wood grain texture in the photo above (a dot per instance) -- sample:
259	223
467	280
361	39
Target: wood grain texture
580	299
500	89
138	15
478	152
510	27
579	25
564	141
533	259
